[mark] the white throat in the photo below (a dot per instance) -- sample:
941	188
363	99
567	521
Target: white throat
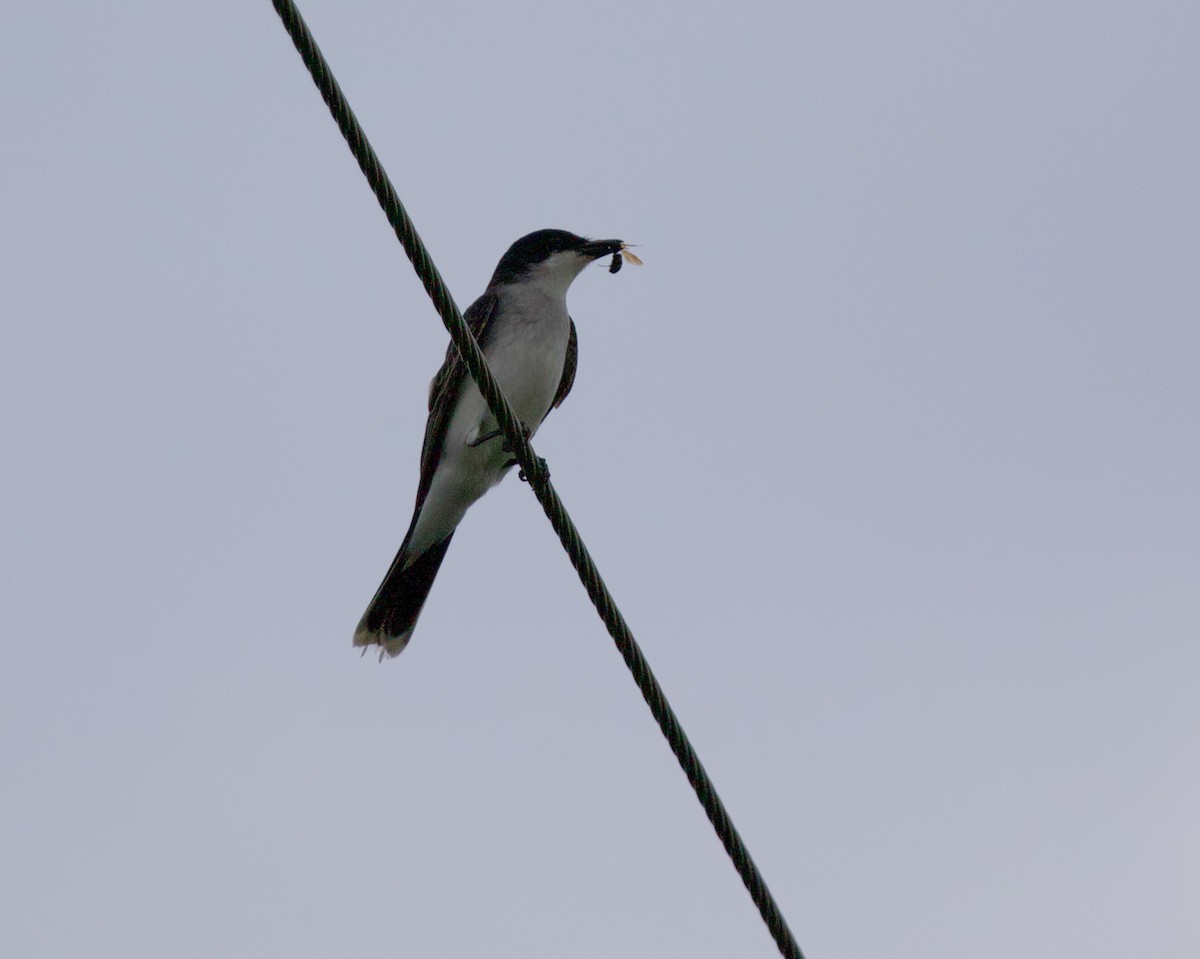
555	274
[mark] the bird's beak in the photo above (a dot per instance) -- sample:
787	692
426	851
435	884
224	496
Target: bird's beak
598	248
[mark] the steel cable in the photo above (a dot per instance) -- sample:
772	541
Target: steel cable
539	480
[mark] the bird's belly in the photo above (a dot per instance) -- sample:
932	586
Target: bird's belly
528	363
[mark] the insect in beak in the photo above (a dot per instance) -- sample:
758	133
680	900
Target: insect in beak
630	256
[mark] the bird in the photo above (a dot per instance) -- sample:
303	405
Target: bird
529	340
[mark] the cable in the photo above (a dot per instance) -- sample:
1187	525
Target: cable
539	480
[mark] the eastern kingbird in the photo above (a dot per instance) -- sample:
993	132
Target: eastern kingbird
522	325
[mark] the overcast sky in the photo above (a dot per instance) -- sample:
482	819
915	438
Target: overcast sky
890	454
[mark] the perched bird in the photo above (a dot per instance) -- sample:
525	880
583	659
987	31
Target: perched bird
528	338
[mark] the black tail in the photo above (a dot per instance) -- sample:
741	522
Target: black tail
392	616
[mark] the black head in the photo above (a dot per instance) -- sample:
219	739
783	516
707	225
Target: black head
536	248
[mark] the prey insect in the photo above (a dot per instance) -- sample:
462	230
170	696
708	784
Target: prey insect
616	260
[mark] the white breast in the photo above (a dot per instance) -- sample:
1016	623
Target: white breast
526	351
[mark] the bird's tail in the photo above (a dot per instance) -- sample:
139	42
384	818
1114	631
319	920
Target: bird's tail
392	616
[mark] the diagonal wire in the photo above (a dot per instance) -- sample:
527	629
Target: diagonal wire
538	476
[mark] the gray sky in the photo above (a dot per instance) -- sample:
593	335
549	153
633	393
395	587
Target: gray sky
890	455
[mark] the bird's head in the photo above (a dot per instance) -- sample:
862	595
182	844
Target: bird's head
552	258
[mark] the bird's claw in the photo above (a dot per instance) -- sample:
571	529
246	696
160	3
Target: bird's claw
525	431
542	468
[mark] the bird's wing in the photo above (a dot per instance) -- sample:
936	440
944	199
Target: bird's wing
568	376
445	388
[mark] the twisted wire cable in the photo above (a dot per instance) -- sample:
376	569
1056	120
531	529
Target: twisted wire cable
539	480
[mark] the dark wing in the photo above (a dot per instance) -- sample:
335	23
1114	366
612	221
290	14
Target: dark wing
568	377
445	389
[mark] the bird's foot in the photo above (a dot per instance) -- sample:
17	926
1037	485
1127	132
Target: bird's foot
542	468
525	431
